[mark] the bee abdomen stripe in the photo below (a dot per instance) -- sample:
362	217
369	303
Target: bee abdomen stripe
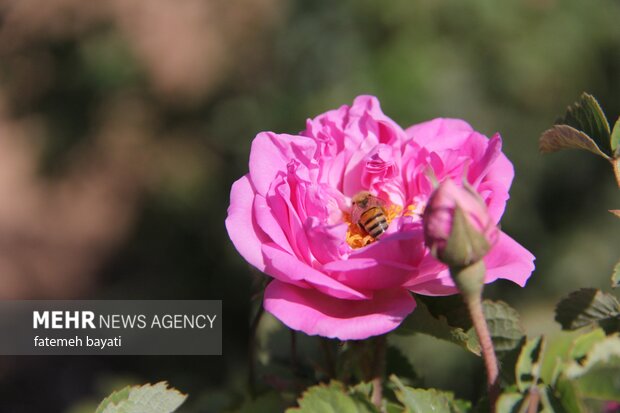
380	222
378	213
378	230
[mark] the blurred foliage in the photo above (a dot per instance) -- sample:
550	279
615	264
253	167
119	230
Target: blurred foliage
174	114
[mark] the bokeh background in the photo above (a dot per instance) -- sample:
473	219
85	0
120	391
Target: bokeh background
123	124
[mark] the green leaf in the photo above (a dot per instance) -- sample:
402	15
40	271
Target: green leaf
391	407
509	403
451	307
549	401
566	137
588	306
504	325
615	276
156	398
557	353
448	319
562	350
332	398
584	343
568	395
615	140
597	376
587	116
427	400
508	364
528	365
363	388
422	321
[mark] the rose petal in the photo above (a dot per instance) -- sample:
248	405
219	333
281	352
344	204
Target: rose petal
507	259
433	278
481	166
287	268
453	133
326	242
317	314
369	273
352	182
269	224
271	153
241	226
279	200
386	263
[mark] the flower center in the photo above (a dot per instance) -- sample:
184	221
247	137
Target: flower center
358	237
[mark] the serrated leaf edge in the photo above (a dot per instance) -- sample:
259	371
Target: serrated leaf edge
549	143
109	403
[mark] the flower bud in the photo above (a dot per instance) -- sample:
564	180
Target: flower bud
457	226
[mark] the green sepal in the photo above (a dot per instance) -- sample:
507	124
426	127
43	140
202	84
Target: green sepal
466	245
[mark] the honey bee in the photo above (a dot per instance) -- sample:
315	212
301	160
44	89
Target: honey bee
368	212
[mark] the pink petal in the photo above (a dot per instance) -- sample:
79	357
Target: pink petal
371	120
288	217
507	259
241	226
386	263
482	166
289	269
501	171
433	278
369	272
271	153
269	224
326	241
317	314
352	182
453	133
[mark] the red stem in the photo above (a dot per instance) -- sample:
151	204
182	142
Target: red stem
474	304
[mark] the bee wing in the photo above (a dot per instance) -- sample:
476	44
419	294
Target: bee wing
356	213
376	201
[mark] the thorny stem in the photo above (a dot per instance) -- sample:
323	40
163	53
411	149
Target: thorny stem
470	282
252	350
379	368
474	304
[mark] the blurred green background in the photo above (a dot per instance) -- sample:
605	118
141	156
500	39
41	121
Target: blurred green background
123	124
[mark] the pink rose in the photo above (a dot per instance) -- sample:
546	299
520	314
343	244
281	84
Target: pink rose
439	217
290	217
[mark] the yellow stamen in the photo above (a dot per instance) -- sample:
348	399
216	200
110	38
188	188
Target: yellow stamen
357	237
410	211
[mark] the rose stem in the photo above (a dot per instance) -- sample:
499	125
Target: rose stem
379	368
252	350
474	304
294	363
534	400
